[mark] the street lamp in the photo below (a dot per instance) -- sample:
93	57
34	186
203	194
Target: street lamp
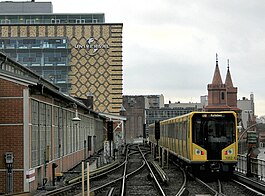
76	118
242	134
251	141
250	136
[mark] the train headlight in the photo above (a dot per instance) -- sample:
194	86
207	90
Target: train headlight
198	152
229	152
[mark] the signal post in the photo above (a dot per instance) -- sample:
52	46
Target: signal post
157	137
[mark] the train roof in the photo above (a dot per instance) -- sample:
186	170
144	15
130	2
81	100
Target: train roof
195	112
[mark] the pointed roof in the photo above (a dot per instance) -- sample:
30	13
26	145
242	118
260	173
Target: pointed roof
228	79
217	76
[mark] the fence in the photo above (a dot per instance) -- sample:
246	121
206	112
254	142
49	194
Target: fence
257	166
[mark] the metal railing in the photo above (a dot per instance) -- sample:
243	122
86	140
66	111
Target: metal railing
257	166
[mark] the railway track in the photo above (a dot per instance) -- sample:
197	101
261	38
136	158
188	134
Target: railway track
135	175
145	182
228	187
138	177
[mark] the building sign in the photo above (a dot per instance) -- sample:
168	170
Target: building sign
92	46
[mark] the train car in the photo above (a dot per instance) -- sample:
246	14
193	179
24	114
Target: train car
203	141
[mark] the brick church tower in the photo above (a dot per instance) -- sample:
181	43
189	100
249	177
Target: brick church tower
222	96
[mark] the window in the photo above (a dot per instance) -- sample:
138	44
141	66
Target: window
55	21
5	21
30	21
80	21
56	132
35	134
223	95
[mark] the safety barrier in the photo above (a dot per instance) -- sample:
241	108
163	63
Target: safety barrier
257	166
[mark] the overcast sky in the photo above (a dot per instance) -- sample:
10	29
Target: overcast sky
169	46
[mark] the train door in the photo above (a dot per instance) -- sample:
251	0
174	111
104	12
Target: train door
187	138
165	136
184	138
174	136
180	139
171	136
177	138
168	136
162	131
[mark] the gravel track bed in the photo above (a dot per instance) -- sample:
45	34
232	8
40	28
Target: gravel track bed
134	162
195	188
230	189
140	184
175	180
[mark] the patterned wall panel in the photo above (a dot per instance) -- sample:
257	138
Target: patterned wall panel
95	59
95	66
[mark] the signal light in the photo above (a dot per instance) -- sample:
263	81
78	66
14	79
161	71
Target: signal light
157	130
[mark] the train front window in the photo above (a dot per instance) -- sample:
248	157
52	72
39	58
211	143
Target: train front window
220	131
213	129
198	135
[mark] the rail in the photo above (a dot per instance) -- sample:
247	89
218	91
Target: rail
124	175
161	172
182	190
257	186
152	174
214	191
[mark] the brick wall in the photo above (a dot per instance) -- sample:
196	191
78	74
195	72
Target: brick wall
11	131
10	89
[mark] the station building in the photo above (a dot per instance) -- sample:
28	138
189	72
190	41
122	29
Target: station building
78	52
40	127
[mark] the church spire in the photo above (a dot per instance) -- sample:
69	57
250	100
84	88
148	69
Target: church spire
228	79
217	76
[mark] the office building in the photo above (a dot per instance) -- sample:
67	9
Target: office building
80	53
248	110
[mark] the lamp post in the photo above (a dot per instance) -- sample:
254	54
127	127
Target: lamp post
251	145
242	134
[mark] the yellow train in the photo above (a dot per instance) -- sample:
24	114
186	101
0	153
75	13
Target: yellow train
201	140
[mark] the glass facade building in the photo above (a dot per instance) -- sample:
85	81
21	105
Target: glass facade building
78	52
48	57
51	18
